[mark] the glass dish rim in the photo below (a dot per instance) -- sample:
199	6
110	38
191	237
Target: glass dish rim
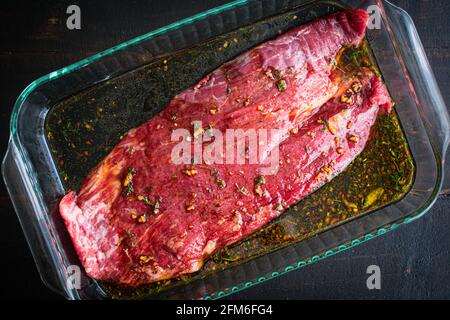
15	139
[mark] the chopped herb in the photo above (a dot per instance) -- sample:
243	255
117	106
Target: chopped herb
127	240
146	201
260	180
393	153
128	234
277	74
156	207
128	182
355	55
221	183
281	85
214	172
372	197
129	188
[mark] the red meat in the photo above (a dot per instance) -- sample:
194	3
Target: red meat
139	217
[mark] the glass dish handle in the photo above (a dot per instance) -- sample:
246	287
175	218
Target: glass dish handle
26	205
431	104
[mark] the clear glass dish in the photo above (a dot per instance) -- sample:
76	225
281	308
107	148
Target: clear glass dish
35	187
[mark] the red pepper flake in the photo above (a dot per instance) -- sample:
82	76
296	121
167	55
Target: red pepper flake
190	172
258	190
142	219
356	86
293	114
145	259
348	97
332	129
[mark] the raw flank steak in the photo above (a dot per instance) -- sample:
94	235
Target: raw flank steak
139	217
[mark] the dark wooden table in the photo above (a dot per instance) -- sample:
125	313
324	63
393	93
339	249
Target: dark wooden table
414	260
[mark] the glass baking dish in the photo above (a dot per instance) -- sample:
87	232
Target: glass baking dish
35	185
